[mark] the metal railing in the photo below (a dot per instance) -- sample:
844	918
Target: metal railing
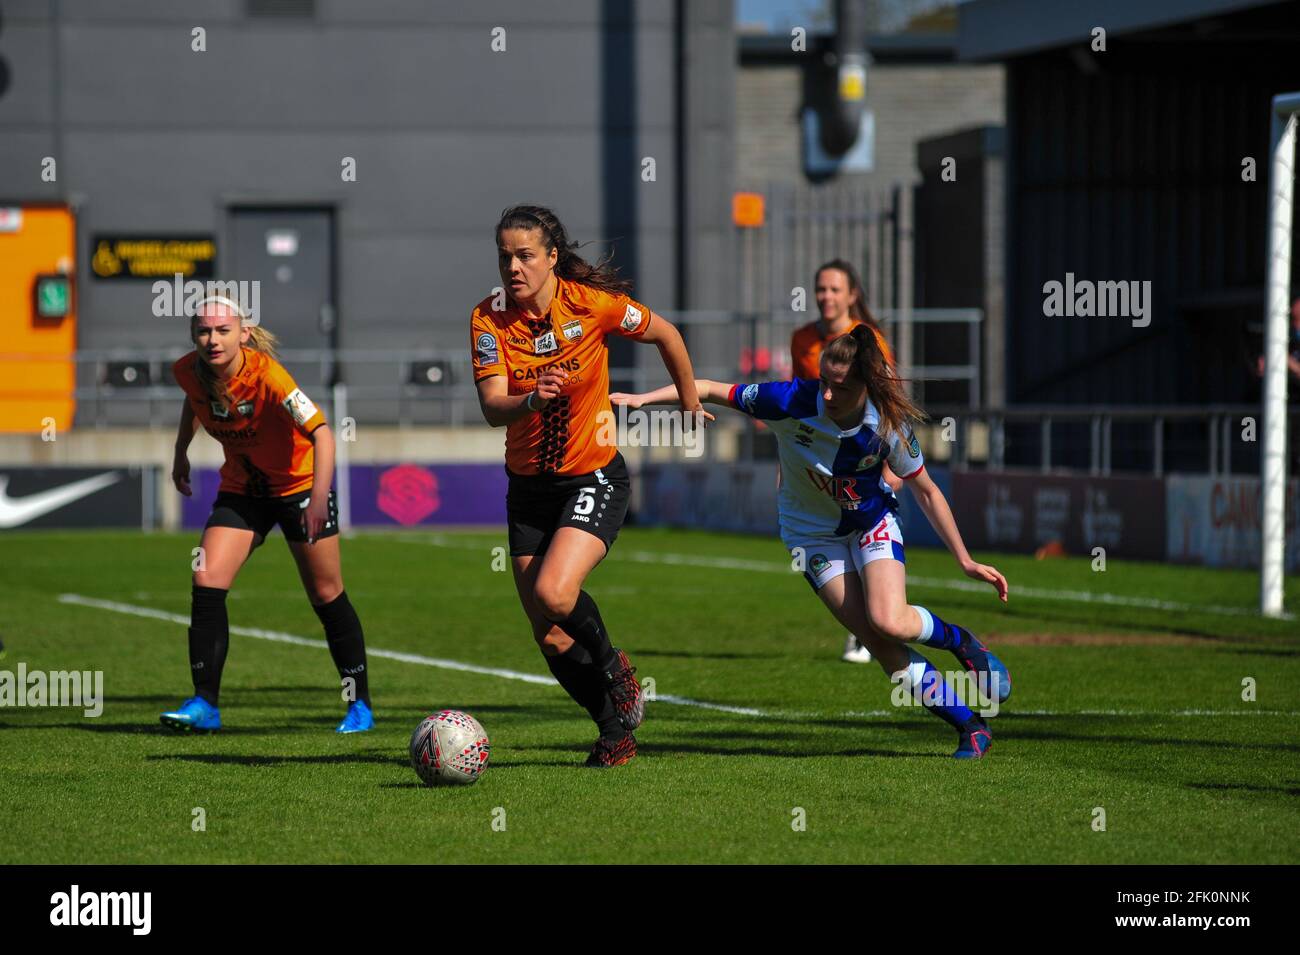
1219	424
725	345
382	386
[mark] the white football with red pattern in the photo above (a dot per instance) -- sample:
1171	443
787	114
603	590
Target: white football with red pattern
449	748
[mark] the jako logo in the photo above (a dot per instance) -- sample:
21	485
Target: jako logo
103	908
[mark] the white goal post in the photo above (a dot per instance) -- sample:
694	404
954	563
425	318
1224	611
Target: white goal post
1273	476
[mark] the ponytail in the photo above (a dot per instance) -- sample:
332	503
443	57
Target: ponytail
568	264
860	350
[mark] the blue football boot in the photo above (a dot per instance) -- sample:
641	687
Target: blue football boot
358	720
973	740
989	670
195	715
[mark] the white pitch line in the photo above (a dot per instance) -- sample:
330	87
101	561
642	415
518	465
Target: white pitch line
942	583
280	637
277	636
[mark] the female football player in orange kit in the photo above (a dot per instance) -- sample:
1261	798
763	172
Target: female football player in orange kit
278	470
542	369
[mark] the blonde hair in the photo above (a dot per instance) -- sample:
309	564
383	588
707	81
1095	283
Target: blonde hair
259	339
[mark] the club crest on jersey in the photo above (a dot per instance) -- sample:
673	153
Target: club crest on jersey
219	411
545	343
486	348
818	563
572	330
632	318
868	462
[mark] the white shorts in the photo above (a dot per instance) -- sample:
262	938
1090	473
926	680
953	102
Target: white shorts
825	558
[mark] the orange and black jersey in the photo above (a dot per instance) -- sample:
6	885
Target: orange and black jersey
266	432
566	437
808	341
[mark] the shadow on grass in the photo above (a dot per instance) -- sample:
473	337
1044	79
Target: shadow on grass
231	759
1259	651
1092	618
137	729
1102	738
695	655
1247	787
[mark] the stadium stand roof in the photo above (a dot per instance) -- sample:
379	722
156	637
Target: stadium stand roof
998	29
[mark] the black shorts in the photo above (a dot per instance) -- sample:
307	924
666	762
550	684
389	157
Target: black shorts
261	514
537	505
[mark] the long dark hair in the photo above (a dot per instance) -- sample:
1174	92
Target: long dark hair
860	350
858	309
568	264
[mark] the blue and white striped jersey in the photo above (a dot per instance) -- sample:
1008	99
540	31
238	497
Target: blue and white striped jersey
830	478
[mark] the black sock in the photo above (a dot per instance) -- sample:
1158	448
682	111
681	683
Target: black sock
582	681
587	629
209	640
347	643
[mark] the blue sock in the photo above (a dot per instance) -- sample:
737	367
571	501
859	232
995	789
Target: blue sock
937	633
933	691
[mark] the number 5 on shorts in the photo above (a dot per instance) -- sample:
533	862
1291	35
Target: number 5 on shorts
586	501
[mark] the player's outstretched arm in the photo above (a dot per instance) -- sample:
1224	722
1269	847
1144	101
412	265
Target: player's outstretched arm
712	392
935	507
672	349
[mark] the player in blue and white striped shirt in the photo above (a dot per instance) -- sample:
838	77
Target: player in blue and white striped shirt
838	515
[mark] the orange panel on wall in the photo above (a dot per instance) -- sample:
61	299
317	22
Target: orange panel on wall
37	372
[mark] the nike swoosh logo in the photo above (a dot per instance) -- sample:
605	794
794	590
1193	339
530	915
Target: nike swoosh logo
18	511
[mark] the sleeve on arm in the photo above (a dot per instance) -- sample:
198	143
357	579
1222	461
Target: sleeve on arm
623	315
768	400
485	346
291	399
905	458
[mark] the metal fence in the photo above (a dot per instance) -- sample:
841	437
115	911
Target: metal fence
434	387
1211	439
133	387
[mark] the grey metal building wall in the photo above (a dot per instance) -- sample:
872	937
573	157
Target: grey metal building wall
1127	165
153	137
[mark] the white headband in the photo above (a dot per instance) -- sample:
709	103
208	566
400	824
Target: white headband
222	300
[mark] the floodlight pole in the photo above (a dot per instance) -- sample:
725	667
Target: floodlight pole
1273	476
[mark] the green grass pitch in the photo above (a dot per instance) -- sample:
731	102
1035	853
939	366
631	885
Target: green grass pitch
1119	705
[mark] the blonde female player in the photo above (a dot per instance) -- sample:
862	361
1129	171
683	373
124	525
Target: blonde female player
834	434
279	465
542	369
